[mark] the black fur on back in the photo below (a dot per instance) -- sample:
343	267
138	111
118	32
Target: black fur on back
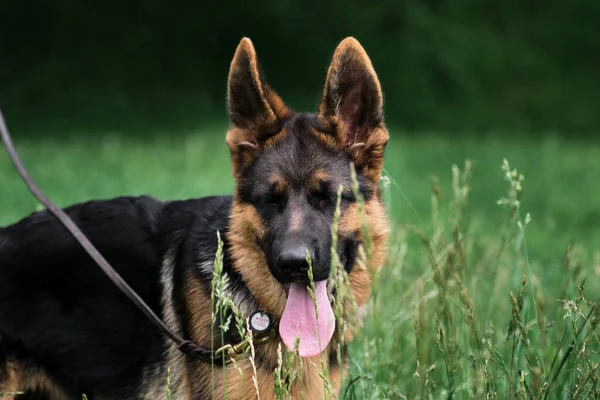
58	308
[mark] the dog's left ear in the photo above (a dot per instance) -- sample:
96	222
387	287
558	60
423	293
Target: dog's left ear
352	107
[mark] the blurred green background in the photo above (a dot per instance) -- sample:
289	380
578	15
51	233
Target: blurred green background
460	66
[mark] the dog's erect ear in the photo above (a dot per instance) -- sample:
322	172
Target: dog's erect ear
352	105
252	104
254	109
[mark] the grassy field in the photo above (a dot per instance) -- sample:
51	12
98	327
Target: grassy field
478	299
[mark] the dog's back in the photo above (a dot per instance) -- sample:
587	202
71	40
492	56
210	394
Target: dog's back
64	326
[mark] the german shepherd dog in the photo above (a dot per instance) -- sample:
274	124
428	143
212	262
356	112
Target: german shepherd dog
66	330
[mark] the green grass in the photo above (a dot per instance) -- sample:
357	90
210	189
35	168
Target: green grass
450	314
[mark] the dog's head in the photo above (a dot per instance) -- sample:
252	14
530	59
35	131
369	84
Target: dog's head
288	168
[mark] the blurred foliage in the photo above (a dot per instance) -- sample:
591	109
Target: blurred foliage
462	65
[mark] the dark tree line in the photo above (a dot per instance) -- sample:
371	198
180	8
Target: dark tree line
449	65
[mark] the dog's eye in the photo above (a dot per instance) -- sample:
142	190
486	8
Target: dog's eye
348	197
324	203
273	196
324	200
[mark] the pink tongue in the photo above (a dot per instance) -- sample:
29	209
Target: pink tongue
299	320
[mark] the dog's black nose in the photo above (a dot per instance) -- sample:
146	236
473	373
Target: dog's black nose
293	261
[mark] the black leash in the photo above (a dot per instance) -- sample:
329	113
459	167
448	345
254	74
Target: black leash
186	346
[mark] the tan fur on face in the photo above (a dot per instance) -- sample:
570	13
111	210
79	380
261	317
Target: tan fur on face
246	231
361	276
243	150
280	184
317	179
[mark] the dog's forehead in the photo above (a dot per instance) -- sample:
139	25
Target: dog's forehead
300	155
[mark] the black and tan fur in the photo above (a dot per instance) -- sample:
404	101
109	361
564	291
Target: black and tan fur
66	330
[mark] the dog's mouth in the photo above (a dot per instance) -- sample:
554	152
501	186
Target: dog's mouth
344	261
308	321
286	288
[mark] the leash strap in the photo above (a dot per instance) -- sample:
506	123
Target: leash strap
186	346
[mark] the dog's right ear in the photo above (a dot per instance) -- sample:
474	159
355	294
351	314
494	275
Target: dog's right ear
251	103
254	109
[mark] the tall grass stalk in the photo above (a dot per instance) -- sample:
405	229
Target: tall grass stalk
478	281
